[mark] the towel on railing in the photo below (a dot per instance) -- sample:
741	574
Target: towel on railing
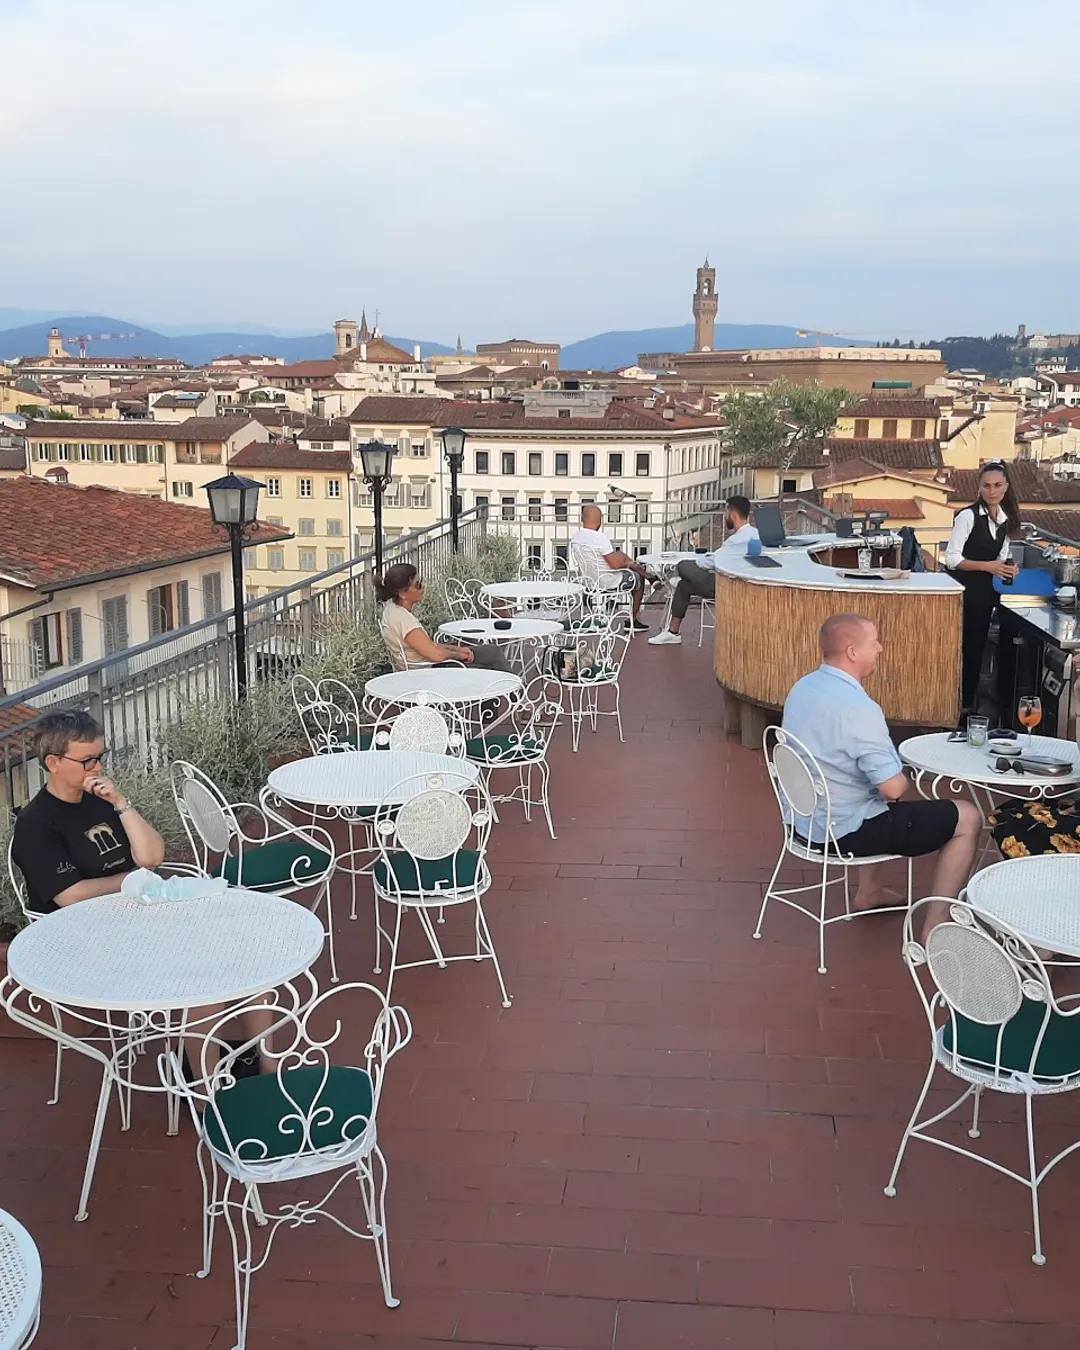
147	886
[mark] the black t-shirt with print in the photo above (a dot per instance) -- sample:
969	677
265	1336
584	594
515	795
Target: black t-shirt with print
58	843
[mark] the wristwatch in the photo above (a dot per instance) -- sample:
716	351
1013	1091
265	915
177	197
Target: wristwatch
121	809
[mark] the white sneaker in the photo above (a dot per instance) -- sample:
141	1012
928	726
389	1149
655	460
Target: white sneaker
666	639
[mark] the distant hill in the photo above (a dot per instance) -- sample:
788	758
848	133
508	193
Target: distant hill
609	351
194	348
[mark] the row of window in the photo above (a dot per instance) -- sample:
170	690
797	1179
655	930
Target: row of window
306	526
58	638
129	452
508	460
535	508
307	559
888	428
397	494
305	487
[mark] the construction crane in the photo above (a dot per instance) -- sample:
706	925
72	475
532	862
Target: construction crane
84	338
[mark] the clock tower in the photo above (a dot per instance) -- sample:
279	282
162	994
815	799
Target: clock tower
705	306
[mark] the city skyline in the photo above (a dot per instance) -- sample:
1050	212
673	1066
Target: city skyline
550	171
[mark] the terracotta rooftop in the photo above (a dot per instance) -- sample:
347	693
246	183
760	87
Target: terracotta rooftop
509	415
100	429
377	352
894	407
851	470
896	454
288	455
336	430
55	535
905	508
1030	483
304	370
210	428
1065	523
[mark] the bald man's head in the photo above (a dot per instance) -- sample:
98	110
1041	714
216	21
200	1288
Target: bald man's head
850	641
591	517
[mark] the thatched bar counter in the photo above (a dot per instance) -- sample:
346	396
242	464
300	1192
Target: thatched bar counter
767	622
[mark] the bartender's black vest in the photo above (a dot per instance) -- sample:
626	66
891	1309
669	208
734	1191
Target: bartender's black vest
983	544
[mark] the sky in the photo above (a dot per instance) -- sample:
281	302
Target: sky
546	170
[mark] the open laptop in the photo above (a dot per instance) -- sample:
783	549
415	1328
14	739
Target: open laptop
770	527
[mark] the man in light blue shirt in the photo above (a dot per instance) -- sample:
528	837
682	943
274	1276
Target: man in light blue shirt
838	722
699	578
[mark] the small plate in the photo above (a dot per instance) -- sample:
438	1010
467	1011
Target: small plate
1008	750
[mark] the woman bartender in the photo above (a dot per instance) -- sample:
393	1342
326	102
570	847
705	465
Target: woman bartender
977	552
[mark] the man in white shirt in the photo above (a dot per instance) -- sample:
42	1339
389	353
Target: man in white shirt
592	541
699	578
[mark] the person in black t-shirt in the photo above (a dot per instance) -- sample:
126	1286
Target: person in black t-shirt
79	837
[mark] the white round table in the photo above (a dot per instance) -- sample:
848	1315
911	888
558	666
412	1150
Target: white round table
939	762
117	954
1037	896
363	777
670	559
519	592
521	629
449	684
20	1283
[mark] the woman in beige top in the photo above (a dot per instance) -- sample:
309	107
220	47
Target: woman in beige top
401	590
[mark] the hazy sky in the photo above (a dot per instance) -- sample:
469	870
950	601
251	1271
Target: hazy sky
548	169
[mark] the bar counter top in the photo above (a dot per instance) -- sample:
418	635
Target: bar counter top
798	568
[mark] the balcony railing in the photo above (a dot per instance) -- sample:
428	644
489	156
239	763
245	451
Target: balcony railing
137	692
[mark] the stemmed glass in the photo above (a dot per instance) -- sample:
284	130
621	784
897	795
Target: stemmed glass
1029	711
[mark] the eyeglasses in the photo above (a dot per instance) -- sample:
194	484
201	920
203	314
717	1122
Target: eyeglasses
90	759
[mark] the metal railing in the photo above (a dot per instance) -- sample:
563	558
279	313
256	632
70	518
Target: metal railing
137	692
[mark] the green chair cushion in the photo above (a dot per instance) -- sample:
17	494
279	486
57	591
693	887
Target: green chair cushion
1059	1054
361	742
270	865
253	1116
499	748
435	874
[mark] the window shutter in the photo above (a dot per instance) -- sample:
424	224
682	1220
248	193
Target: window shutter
37	640
183	604
155	609
115	616
74	637
211	594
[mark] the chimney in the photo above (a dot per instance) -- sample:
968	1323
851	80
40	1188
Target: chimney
416	353
363	351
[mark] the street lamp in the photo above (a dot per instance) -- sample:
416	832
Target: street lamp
234	504
377	458
453	439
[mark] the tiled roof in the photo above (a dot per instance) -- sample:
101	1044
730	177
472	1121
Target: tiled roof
210	428
13	457
1065	523
806	457
18	715
304	370
894	407
1061	376
337	430
288	455
895	454
508	415
1030	483
100	429
130	533
852	470
377	352
899	509
180	400
279	416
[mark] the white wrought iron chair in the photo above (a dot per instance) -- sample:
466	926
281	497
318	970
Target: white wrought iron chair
281	861
802	795
432	833
461	597
521	746
313	1116
426	725
597	657
995	1024
20	1285
329	715
609	590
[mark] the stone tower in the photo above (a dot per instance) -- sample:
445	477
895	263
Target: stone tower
56	345
705	306
344	336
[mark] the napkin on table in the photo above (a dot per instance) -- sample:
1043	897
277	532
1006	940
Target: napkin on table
147	886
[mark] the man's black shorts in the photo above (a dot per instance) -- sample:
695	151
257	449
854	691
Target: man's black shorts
907	828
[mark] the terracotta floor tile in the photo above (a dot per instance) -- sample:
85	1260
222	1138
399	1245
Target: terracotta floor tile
675	1139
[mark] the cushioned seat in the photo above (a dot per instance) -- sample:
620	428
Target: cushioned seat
1059	1053
361	742
502	749
270	865
254	1115
436	874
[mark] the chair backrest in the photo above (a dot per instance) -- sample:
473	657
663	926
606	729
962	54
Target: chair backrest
460	599
328	712
589	561
208	819
993	988
799	785
436	816
18	885
328	1093
422	726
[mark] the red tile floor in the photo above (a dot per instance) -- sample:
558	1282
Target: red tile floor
676	1139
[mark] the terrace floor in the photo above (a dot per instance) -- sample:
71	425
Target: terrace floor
676	1139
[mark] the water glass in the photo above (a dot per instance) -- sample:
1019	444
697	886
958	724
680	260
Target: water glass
977	729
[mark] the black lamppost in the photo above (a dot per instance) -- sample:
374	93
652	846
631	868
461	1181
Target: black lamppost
453	440
234	505
377	459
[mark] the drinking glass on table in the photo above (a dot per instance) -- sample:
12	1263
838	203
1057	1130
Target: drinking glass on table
1029	711
977	729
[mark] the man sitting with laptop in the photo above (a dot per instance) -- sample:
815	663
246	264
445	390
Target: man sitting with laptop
699	578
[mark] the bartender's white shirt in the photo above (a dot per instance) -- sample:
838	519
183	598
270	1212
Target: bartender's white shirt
961	532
